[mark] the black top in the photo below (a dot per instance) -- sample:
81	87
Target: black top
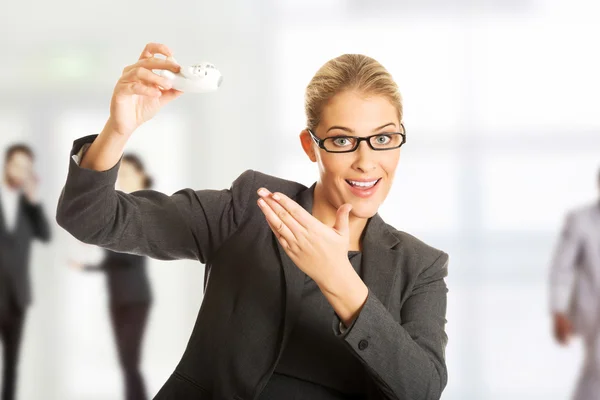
126	278
315	364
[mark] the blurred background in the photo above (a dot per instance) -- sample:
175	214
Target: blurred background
501	109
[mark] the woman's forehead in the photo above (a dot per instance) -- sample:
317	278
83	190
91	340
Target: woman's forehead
358	113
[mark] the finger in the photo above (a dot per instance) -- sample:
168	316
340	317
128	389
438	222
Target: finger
147	77
169	96
154	63
280	238
295	210
277	225
274	229
284	243
288	219
138	88
155	48
159	63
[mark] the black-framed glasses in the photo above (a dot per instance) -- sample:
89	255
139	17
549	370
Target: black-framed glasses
348	144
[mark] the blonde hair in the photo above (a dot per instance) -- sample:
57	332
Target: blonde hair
355	72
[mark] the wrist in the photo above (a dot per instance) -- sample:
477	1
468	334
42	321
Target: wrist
110	129
334	278
110	133
346	292
105	151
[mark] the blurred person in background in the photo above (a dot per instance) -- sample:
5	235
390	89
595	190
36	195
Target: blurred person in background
129	289
309	294
575	291
22	219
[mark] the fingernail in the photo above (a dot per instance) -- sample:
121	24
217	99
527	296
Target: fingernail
262	192
276	197
261	202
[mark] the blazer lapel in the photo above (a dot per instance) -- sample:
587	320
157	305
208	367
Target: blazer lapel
294	276
380	261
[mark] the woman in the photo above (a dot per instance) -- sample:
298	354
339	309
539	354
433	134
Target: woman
309	293
129	289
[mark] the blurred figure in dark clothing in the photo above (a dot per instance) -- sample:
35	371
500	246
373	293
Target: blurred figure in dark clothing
21	220
129	289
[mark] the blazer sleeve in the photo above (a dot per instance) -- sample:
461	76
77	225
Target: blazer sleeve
186	225
564	264
407	360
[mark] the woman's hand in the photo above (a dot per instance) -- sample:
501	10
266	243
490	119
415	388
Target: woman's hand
320	251
317	249
138	96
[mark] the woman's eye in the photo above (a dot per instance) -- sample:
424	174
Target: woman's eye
382	139
341	141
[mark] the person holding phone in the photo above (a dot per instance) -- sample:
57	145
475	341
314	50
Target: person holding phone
22	219
309	294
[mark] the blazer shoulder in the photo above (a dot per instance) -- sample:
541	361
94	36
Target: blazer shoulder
254	180
417	249
587	211
581	214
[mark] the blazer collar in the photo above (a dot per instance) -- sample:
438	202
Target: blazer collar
379	262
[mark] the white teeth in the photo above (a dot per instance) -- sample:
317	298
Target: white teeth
363	184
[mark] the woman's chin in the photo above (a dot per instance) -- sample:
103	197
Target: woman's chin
363	211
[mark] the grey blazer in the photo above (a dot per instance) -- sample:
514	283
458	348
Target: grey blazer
253	291
575	271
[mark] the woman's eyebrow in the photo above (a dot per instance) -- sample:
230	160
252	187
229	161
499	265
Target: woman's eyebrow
343	128
383	126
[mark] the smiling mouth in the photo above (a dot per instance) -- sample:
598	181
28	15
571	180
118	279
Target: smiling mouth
361	184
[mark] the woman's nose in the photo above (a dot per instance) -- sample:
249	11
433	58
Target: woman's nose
365	157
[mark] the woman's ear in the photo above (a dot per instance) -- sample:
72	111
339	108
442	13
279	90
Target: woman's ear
307	145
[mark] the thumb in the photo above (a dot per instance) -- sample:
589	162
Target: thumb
341	219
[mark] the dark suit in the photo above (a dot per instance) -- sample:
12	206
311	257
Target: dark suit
254	290
15	285
130	298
